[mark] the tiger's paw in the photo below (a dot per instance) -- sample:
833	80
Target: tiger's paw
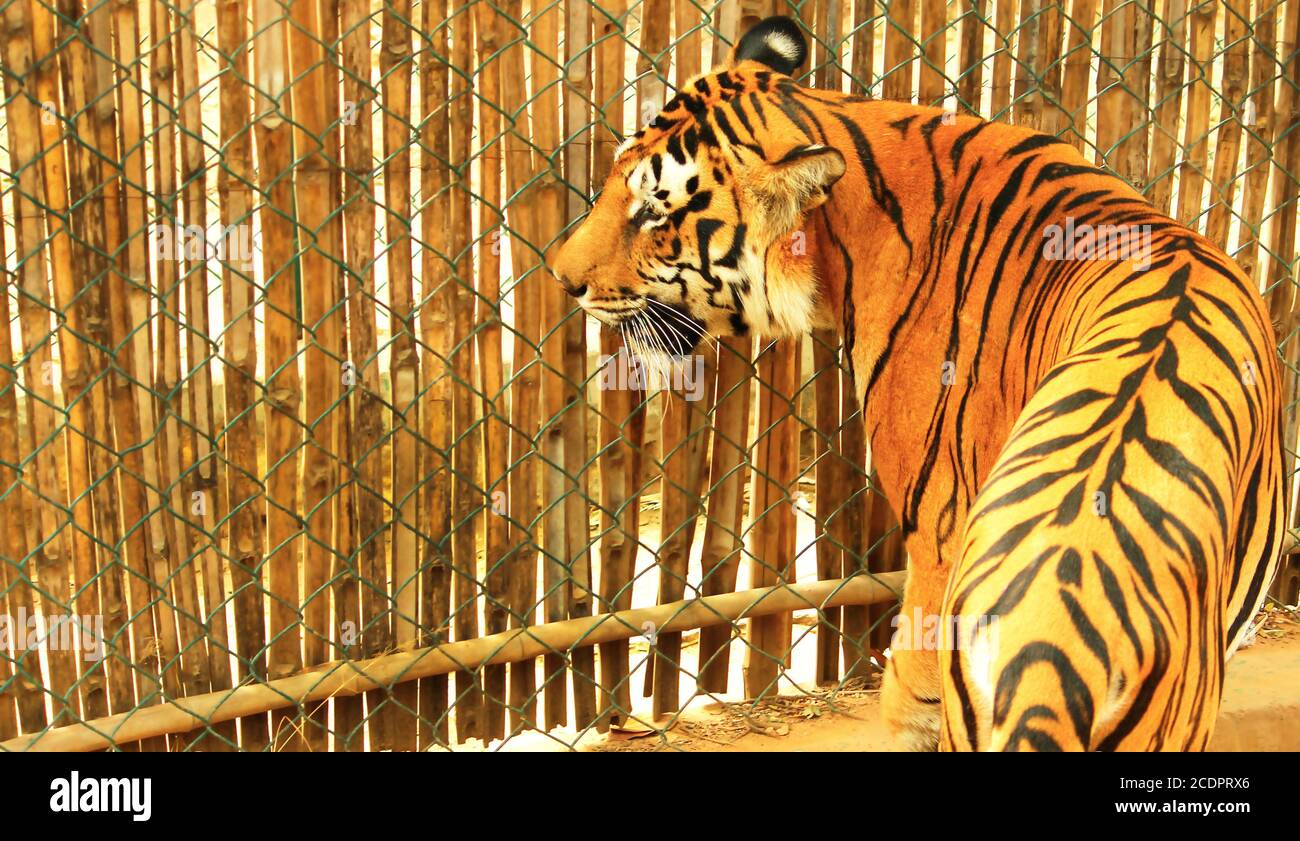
909	703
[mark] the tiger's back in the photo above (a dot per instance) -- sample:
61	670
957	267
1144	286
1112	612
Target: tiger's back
1076	414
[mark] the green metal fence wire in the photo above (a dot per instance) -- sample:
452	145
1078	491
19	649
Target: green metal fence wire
282	385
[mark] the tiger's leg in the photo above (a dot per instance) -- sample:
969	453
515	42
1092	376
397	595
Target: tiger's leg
1101	578
909	696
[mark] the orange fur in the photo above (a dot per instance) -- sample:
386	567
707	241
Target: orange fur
1003	391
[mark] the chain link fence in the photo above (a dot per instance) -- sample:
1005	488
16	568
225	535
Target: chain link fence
301	447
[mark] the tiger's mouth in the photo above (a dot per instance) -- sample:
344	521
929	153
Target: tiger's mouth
655	328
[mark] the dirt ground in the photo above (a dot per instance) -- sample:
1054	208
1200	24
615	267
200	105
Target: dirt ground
1261	711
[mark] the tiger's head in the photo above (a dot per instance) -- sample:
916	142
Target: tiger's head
697	229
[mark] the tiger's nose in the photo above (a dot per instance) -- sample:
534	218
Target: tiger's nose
576	290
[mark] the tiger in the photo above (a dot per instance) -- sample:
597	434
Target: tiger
1072	401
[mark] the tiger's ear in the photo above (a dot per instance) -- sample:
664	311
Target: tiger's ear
777	42
798	181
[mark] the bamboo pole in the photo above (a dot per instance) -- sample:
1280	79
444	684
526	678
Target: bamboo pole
202	503
621	425
1286	192
772	512
131	593
827	470
316	206
577	513
369	564
900	20
970	67
109	680
1075	83
1000	91
934	32
851	524
11	512
87	89
34	309
1169	96
130	309
1112	100
435	325
864	47
15	555
1135	148
727	32
829	476
467	498
349	712
273	124
496	427
1235	64
724	542
555	396
166	382
1258	119
243	483
8	682
1027	106
676	516
395	57
522	211
334	679
1196	140
688	21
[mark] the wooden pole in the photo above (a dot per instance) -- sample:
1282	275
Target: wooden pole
1232	91
466	493
167	369
367	556
545	33
435	370
1196	141
522	216
317	206
496	426
1075	82
239	298
43	438
578	85
395	59
970	68
900	22
202	501
273	131
24	668
334	679
724	541
772	512
1000	90
1258	119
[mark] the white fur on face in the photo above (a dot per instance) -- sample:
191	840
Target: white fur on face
775	306
673	177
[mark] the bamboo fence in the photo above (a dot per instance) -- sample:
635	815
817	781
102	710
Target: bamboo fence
301	446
